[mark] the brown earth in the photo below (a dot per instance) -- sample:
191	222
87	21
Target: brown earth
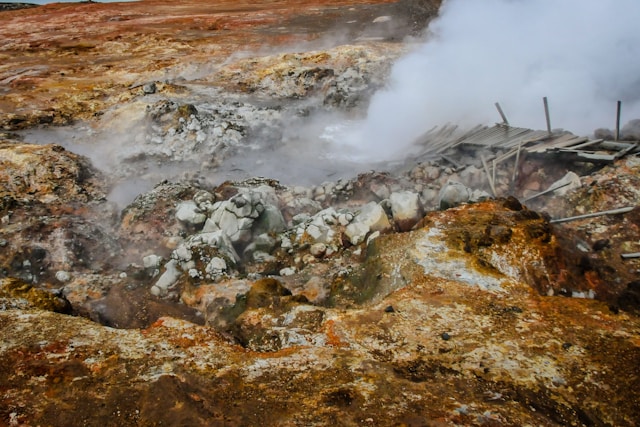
67	61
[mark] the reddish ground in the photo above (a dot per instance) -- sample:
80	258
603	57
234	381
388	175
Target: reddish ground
62	61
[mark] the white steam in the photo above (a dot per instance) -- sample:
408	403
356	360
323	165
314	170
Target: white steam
584	55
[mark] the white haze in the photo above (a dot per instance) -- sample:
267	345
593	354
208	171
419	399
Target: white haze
584	55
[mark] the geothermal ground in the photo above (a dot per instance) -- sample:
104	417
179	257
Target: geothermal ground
189	236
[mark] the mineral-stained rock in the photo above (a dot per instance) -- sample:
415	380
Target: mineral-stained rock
47	174
18	294
151	219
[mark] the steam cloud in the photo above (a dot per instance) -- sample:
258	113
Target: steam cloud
584	55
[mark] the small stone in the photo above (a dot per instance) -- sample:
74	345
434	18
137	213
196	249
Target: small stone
149	88
151	261
318	249
389	309
445	336
216	266
567	346
287	271
601	244
63	276
183	253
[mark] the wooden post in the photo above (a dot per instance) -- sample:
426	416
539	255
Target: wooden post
504	118
515	166
546	113
486	170
618	120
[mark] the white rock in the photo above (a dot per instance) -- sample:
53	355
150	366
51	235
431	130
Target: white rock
167	279
373	236
151	261
182	253
357	232
63	276
406	209
318	249
216	266
288	271
381	19
373	216
188	212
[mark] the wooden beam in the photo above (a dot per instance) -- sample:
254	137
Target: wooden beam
594	214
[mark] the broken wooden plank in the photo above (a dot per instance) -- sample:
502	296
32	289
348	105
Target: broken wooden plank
548	190
486	170
587	144
626	151
594	214
588	156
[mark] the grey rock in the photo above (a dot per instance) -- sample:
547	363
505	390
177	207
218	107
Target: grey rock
453	194
149	88
269	221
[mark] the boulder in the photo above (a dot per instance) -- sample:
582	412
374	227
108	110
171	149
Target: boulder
452	194
406	209
189	213
371	217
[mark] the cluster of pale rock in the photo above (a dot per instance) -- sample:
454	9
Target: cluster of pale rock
260	218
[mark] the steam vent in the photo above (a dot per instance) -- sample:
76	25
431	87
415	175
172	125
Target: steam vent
311	213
